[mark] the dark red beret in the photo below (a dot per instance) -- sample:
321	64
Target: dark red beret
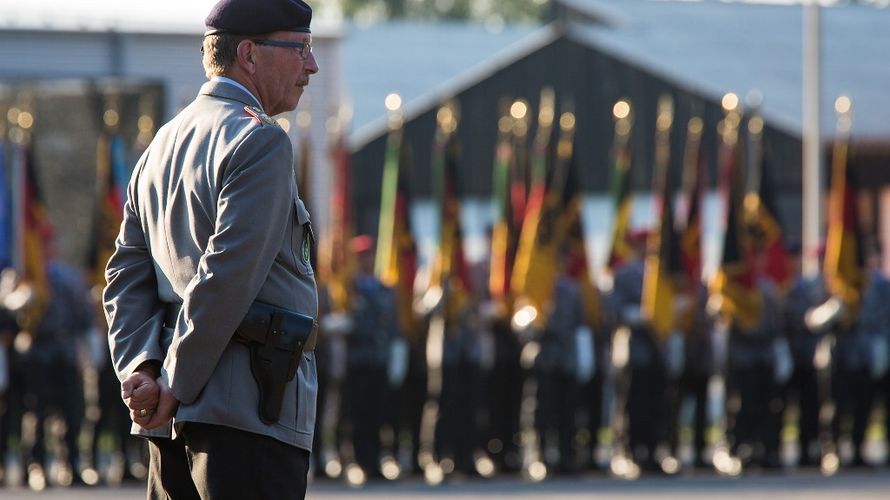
258	17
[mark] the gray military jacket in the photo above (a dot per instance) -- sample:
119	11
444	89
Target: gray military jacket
213	221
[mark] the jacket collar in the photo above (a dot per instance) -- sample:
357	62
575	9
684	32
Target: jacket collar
226	90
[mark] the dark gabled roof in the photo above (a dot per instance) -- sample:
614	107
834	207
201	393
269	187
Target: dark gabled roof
706	47
421	61
719	47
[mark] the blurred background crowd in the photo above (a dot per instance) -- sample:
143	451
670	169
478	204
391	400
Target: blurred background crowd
612	237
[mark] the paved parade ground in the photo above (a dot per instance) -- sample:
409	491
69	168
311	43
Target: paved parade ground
798	485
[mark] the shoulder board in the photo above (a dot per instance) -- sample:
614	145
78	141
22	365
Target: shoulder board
259	116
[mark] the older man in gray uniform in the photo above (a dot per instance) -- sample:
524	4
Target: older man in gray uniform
210	284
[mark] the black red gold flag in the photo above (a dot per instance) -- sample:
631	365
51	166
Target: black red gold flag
844	263
663	267
734	290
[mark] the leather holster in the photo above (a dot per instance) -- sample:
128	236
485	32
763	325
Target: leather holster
276	338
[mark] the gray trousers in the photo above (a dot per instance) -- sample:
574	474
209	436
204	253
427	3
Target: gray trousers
213	462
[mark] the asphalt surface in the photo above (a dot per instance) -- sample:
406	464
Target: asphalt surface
787	486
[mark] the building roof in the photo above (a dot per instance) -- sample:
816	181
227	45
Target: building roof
719	47
418	60
708	47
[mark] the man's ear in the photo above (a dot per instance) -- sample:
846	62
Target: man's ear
247	56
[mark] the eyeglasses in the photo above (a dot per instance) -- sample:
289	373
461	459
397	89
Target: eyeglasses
303	48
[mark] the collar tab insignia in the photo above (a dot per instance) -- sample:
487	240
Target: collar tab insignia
259	116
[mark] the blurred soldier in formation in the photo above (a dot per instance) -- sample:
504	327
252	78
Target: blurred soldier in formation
754	403
369	344
645	402
694	374
860	359
330	356
805	293
592	391
504	391
12	386
847	363
458	433
877	321
56	359
562	368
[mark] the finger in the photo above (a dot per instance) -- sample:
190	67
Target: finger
126	388
142	415
157	419
136	403
132	382
167	407
146	390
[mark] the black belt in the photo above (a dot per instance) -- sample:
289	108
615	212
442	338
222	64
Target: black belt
171	315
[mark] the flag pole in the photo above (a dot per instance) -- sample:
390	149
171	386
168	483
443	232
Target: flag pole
812	172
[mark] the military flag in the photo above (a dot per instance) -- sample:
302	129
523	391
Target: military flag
621	251
663	267
449	266
570	238
689	221
520	167
500	259
386	258
335	264
844	262
112	175
761	215
689	214
534	270
395	262
32	233
452	266
734	289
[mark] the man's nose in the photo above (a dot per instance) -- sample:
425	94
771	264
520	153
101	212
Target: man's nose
311	64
